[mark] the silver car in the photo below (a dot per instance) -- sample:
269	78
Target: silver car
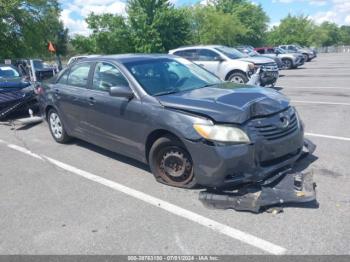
230	64
308	53
290	60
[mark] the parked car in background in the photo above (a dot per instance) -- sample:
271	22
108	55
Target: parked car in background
15	90
251	52
187	124
307	52
230	64
289	60
42	71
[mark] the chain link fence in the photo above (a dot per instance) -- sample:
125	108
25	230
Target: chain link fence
334	49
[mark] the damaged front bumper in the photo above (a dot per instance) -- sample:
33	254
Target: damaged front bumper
285	188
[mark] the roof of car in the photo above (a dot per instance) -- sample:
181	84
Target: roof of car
126	58
196	46
264	47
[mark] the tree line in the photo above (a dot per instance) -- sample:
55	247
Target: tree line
155	26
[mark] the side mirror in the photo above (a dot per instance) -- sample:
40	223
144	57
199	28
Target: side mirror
219	58
121	91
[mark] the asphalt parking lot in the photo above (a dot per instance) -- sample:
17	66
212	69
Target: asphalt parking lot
81	199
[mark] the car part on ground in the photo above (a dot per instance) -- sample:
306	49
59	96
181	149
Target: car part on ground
229	64
288	187
163	110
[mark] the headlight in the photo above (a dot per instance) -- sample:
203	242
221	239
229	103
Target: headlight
221	133
251	66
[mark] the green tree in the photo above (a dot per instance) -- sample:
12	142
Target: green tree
326	34
156	25
110	34
83	44
344	33
27	26
211	26
251	16
292	30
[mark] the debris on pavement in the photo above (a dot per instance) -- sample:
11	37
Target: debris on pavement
287	187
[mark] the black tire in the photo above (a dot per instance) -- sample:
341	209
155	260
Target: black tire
56	127
306	57
171	164
237	77
288	63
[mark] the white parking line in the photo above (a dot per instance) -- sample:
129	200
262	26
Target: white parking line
171	208
330	137
320	102
24	150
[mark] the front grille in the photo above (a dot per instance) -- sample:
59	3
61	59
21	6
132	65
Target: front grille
270	67
272	132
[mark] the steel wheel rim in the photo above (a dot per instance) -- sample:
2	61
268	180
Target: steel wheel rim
237	79
175	166
56	126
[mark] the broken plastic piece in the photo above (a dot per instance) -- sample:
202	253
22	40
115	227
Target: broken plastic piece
288	188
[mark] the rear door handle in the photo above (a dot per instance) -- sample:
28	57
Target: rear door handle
91	100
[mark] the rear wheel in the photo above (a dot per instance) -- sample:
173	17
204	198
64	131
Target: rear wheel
56	127
171	163
238	77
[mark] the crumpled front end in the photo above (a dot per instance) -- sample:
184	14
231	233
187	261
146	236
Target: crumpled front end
272	149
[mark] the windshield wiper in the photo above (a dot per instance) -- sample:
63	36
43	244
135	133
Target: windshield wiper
209	85
166	93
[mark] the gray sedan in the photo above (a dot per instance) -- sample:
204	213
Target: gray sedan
187	124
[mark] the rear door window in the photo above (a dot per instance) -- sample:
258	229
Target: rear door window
79	75
190	54
207	55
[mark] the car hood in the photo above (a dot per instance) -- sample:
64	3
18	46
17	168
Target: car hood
257	60
228	102
16	82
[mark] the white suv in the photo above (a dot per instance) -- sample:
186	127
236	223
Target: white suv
229	64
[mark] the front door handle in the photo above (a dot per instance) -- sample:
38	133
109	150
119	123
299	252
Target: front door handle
57	93
92	100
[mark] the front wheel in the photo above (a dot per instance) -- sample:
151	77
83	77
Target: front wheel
237	77
288	64
56	127
171	164
306	57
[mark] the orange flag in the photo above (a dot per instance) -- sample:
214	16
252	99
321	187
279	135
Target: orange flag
51	47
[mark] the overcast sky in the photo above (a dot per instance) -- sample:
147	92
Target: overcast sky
338	11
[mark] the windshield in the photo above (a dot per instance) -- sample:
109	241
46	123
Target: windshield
280	50
231	52
165	76
38	64
8	72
